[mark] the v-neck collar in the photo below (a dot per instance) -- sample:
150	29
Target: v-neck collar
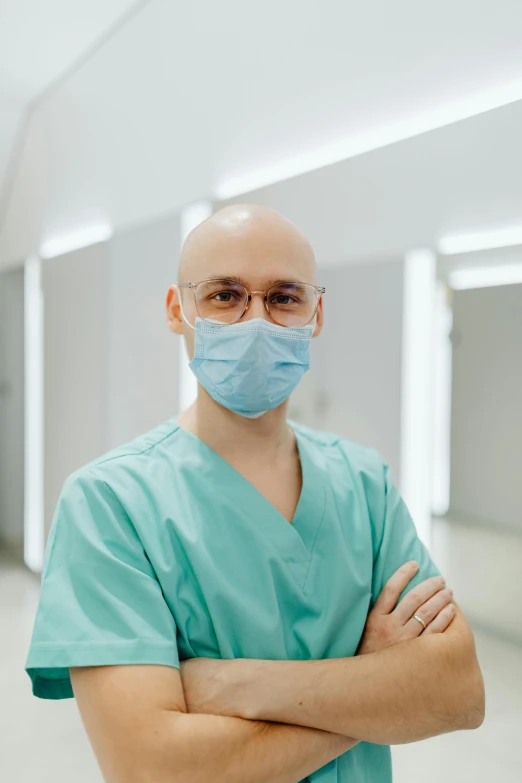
294	541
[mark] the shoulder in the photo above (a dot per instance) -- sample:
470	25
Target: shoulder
104	494
148	449
362	461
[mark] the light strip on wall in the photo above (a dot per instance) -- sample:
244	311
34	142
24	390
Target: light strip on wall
75	240
442	353
191	216
485	276
33	417
491	240
417	377
373	139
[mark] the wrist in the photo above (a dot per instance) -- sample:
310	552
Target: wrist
247	688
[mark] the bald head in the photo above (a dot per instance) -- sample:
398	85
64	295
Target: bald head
249	241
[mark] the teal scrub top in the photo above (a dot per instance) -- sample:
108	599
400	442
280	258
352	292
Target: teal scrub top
160	551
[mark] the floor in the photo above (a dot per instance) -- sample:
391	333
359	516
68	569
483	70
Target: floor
44	742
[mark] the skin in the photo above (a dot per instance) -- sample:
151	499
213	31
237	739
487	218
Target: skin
277	721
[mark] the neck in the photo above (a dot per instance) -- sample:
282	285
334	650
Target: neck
230	434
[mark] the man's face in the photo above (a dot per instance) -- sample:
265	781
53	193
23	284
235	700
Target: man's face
256	249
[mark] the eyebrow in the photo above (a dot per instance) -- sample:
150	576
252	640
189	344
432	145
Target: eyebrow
241	281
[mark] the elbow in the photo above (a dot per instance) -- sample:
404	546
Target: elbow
476	711
469	709
465	697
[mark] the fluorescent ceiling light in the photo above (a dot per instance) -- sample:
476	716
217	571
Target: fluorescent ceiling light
75	240
471	243
343	149
485	276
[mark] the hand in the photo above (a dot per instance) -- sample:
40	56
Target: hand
206	685
388	624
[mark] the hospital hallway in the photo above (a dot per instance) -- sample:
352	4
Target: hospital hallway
44	740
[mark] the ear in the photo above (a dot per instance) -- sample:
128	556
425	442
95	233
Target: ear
174	319
319	319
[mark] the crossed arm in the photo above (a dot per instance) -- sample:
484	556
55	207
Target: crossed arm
140	731
278	721
413	690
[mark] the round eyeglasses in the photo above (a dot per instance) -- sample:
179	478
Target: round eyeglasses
225	301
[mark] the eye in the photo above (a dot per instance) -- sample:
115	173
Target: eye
224	296
282	299
288	296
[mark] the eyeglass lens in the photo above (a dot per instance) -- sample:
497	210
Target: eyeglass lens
289	304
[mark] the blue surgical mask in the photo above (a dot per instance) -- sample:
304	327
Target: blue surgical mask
250	367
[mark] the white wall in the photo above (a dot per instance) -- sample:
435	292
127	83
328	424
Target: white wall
12	408
354	385
143	352
76	300
111	363
486	434
478	545
482	566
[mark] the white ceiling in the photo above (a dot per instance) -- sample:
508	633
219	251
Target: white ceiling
462	179
40	41
189	96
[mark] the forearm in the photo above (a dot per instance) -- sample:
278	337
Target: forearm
234	750
414	690
141	731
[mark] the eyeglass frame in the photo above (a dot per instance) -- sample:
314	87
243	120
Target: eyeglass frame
320	290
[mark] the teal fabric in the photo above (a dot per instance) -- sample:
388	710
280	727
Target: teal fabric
161	551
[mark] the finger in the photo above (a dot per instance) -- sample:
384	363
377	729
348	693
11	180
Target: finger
428	612
442	620
391	591
417	597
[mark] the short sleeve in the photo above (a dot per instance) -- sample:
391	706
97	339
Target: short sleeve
396	538
100	602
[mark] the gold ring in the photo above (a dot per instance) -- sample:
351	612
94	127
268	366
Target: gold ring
419	620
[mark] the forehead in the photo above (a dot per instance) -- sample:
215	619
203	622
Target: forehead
257	256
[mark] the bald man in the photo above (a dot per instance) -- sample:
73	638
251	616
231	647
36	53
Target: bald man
236	598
